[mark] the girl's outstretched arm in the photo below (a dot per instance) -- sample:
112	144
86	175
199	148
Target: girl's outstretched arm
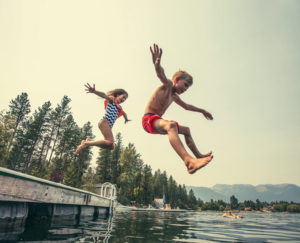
92	89
125	117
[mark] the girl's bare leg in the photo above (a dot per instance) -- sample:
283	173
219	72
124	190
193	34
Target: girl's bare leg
107	142
170	128
190	142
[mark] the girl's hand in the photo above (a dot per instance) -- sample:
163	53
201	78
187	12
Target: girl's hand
126	121
89	88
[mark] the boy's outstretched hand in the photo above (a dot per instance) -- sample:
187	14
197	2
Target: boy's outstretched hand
89	88
156	54
207	115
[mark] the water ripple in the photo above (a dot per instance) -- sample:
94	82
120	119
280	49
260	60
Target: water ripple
127	227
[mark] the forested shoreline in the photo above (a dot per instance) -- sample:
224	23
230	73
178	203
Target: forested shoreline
43	144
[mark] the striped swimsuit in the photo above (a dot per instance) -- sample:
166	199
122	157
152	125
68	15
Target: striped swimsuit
112	112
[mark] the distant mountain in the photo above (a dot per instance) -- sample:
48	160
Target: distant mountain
268	193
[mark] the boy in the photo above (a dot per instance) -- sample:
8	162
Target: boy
159	102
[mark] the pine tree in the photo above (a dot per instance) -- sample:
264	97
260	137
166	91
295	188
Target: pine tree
19	108
34	134
56	171
57	117
146	188
86	155
192	201
130	178
157	190
164	182
27	137
233	202
74	166
70	175
172	192
69	139
88	180
6	130
182	197
38	166
115	160
103	166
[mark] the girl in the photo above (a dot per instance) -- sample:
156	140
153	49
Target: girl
113	111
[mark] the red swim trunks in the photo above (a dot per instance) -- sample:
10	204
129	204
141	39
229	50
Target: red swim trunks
148	123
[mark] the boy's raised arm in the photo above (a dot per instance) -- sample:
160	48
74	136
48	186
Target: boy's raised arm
156	56
92	89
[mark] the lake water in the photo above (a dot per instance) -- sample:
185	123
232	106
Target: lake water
172	227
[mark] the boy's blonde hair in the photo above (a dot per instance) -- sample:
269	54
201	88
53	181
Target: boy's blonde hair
183	75
117	92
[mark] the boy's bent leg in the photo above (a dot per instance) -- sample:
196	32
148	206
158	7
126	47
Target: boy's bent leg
190	142
170	128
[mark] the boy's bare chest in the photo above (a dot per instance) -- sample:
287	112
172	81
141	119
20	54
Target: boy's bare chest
164	97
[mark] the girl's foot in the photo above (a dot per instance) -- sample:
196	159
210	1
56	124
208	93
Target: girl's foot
80	147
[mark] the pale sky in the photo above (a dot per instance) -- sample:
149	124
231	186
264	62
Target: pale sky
244	57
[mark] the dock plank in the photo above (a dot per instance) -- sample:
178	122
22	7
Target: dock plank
19	187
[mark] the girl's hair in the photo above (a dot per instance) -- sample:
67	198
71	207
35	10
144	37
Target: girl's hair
117	92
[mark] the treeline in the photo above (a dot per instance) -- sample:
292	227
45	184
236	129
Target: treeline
249	205
43	144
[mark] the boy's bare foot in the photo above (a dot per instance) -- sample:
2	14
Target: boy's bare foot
205	155
80	147
196	164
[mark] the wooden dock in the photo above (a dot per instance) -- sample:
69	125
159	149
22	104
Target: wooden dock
26	199
19	187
